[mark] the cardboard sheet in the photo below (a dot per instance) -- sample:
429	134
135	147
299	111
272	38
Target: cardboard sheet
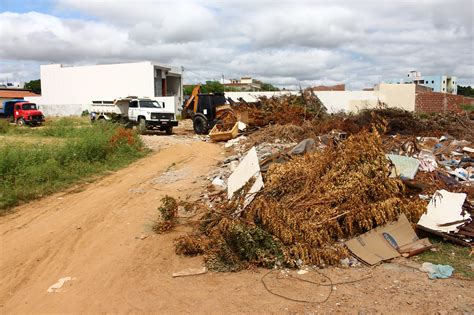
382	242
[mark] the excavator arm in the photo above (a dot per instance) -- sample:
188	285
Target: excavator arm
191	103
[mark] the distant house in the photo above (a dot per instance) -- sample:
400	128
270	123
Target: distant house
245	84
337	87
8	94
437	83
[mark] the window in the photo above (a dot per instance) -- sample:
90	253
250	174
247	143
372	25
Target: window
29	106
443	89
444	81
134	104
17	107
432	82
149	104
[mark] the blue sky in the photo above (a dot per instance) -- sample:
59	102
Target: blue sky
284	42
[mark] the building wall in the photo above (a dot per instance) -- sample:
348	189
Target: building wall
397	95
81	85
435	102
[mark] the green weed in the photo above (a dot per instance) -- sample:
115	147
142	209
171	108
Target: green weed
29	171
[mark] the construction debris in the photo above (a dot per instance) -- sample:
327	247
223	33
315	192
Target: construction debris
190	272
308	206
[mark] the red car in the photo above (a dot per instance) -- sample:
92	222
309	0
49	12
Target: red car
22	113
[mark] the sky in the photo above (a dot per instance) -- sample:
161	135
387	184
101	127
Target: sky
286	43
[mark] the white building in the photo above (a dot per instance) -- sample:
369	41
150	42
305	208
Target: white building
67	90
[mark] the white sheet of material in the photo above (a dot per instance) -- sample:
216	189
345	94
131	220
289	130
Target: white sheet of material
444	207
247	168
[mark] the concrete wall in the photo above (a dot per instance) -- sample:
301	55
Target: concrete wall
397	95
82	85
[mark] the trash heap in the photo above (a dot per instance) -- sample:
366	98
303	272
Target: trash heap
281	110
309	206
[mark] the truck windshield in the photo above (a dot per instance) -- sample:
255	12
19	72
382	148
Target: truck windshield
150	104
29	106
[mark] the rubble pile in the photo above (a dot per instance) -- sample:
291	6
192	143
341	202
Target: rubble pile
309	205
286	109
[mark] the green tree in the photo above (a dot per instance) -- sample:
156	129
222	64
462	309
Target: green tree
466	91
212	87
34	86
268	87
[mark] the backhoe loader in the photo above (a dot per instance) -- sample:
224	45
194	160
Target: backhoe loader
207	110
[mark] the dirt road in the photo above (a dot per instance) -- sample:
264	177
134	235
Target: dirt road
100	236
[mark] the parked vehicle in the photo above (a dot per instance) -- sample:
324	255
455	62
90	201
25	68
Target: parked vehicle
22	113
145	113
207	110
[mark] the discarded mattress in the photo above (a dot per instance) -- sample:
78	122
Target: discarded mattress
444	208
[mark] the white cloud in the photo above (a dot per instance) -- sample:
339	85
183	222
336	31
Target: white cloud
283	42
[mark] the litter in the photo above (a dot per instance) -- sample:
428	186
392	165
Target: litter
445	207
218	183
304	146
247	169
190	272
386	242
437	271
58	285
405	167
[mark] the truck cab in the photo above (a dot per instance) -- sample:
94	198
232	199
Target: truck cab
22	113
148	114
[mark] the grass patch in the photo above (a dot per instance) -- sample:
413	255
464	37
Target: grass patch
31	170
449	254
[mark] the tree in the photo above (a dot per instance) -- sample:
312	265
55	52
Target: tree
466	91
209	87
212	87
34	86
268	87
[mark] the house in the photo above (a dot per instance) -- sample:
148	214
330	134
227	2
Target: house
73	88
244	84
437	83
337	87
8	94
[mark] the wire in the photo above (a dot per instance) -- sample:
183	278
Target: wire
330	284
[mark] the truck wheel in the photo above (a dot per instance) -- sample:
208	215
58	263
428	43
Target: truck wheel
142	126
20	122
169	130
200	125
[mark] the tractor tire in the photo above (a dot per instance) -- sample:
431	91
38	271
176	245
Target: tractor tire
200	125
142	126
20	122
169	130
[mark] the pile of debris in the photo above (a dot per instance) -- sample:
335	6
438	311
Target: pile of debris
307	188
282	110
309	206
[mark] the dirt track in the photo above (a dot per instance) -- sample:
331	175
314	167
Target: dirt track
100	235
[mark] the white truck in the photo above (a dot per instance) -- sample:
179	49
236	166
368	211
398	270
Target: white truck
145	113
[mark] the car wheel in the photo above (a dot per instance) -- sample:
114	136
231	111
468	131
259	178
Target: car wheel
169	130
200	125
20	122
142	126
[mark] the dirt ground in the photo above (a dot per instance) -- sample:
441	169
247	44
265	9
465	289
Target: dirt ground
100	235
